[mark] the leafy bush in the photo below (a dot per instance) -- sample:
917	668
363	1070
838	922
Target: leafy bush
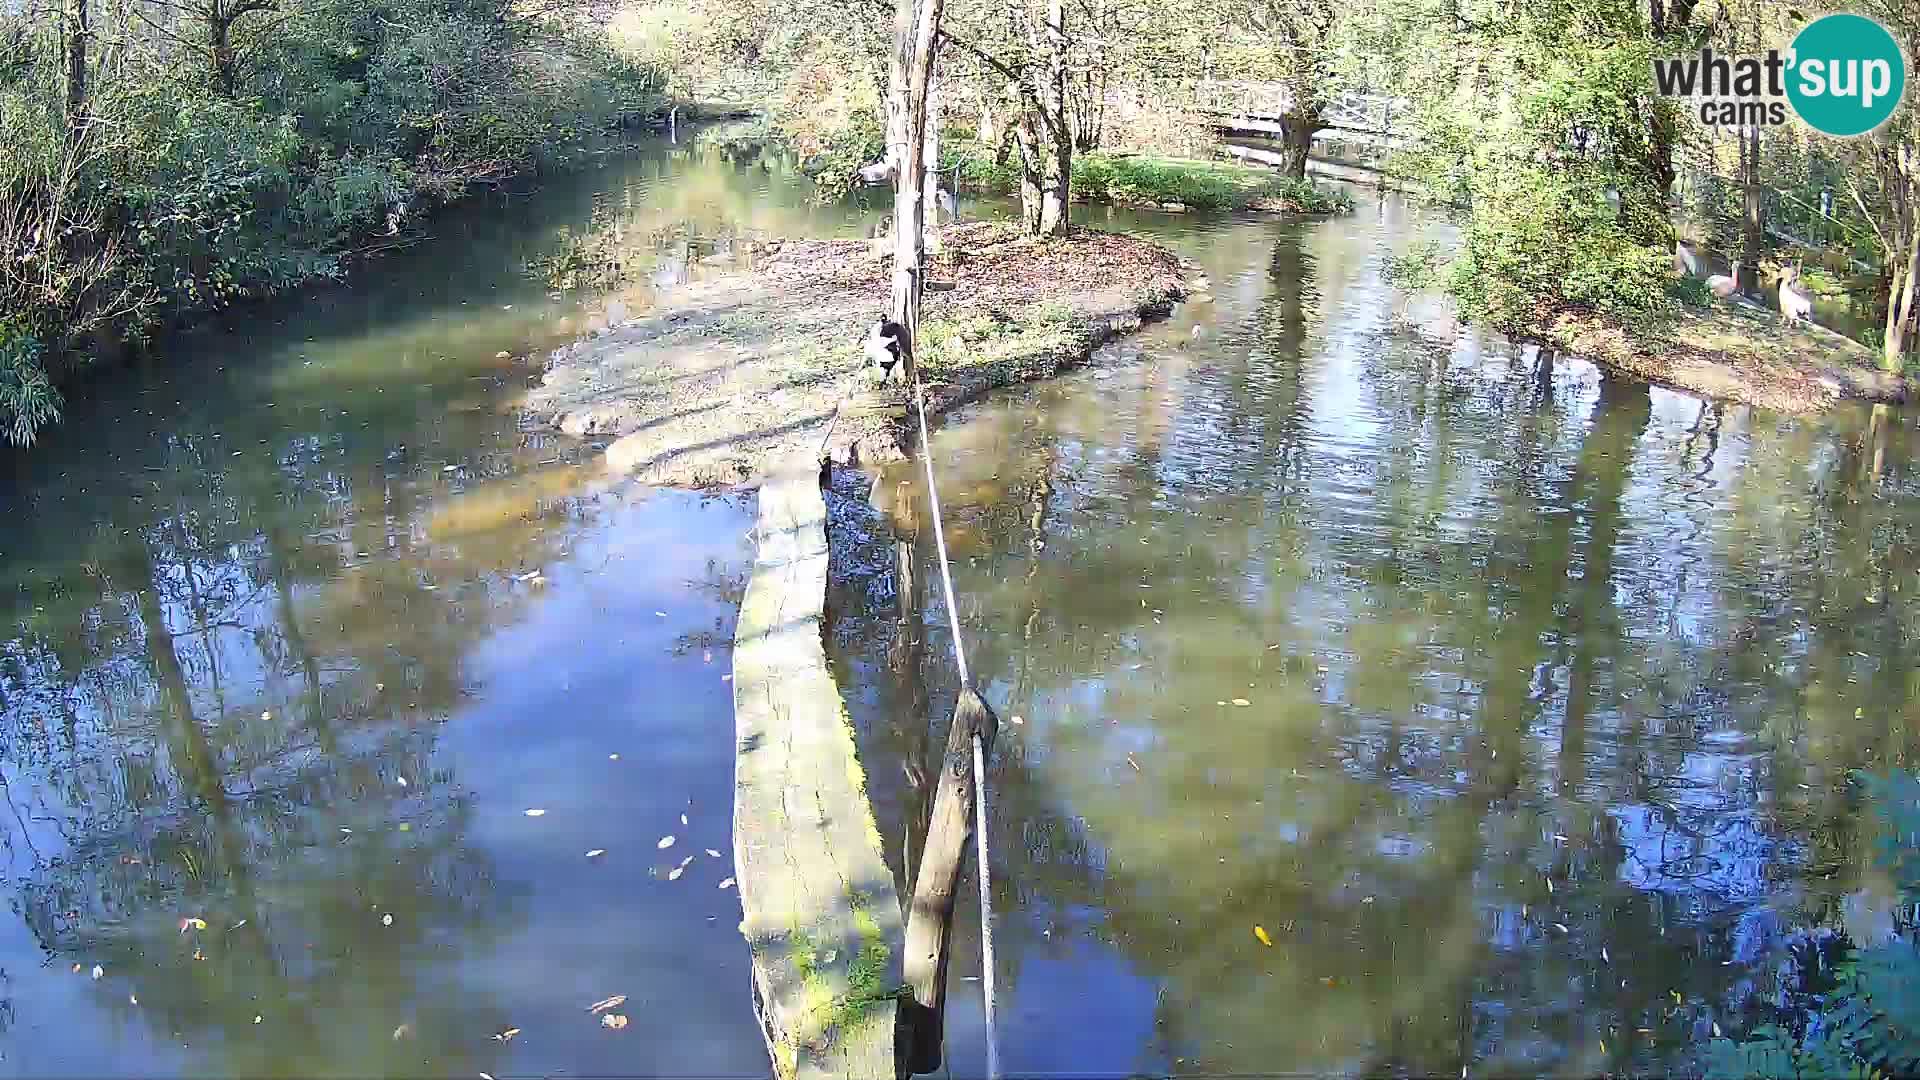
188	189
28	400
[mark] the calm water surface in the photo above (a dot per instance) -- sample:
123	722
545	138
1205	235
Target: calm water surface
298	629
1550	683
1513	703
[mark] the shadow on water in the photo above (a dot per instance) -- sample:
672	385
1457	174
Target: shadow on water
1514	703
302	622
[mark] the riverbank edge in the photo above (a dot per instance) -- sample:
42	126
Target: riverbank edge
1731	351
116	345
730	376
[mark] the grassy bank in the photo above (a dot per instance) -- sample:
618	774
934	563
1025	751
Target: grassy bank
732	374
1151	182
1730	351
163	182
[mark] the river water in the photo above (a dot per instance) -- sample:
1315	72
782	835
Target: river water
1550	682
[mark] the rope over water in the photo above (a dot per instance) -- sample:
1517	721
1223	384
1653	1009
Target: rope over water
979	751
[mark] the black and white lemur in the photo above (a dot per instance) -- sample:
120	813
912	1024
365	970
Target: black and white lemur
887	348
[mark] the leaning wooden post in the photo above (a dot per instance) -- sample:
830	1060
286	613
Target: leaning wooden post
922	1020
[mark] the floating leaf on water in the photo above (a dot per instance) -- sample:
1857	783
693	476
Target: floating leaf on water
98	971
507	1035
536	812
726	883
1260	932
614	1021
713	853
386	920
607	1003
596	853
666	842
1242	702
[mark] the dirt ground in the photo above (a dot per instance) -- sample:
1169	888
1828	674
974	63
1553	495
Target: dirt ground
1738	351
732	375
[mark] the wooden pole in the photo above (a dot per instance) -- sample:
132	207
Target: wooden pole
915	28
930	918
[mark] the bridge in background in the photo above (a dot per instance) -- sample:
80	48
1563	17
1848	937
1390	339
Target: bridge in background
1358	132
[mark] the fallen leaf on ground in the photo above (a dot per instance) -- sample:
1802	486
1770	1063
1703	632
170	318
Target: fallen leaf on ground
1261	933
607	1003
536	812
665	842
507	1035
614	1021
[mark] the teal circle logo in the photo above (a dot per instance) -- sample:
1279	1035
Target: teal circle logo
1846	76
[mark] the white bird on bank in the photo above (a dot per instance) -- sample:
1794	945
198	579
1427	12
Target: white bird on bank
1724	285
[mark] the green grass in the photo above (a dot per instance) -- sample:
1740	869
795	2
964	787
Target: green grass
1141	180
948	345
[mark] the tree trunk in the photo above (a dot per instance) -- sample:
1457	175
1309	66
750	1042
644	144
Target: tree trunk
930	184
1900	300
1753	221
226	65
1031	143
78	31
1297	132
915	28
1058	172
